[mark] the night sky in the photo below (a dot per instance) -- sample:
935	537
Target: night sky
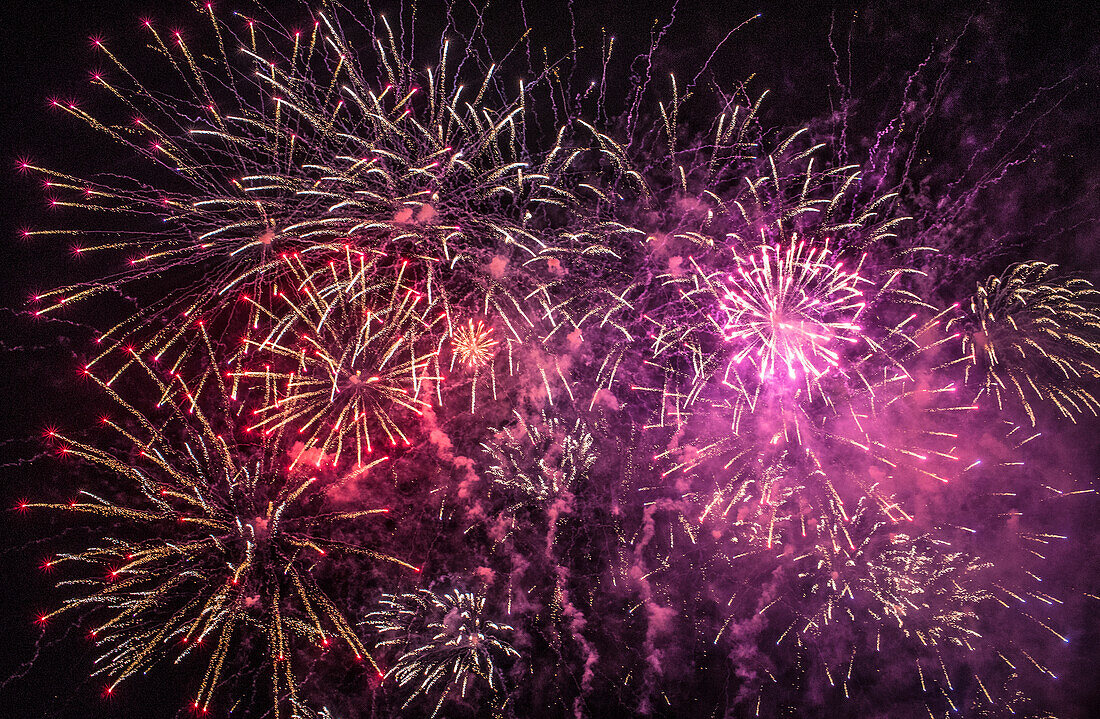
992	109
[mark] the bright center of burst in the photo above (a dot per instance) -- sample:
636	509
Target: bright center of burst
357	381
787	309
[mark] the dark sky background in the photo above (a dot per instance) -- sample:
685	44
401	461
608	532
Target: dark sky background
1007	155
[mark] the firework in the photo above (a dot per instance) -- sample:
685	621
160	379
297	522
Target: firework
539	462
1030	335
782	453
444	642
888	588
742	463
473	351
789	310
833	587
287	146
789	374
348	355
769	277
792	395
229	541
909	582
474	346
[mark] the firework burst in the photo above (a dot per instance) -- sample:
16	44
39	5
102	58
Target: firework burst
349	356
445	643
1030	335
763	267
788	311
539	462
474	349
474	346
780	453
283	144
228	540
775	356
872	585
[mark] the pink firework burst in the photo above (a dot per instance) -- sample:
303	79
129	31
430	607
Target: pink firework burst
791	309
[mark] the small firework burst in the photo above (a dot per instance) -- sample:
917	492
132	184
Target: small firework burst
445	643
474	344
540	461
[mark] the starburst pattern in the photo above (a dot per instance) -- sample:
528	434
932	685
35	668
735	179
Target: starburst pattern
445	642
349	356
789	311
227	541
474	344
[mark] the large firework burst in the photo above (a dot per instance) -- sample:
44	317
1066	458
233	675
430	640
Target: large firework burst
214	539
284	142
